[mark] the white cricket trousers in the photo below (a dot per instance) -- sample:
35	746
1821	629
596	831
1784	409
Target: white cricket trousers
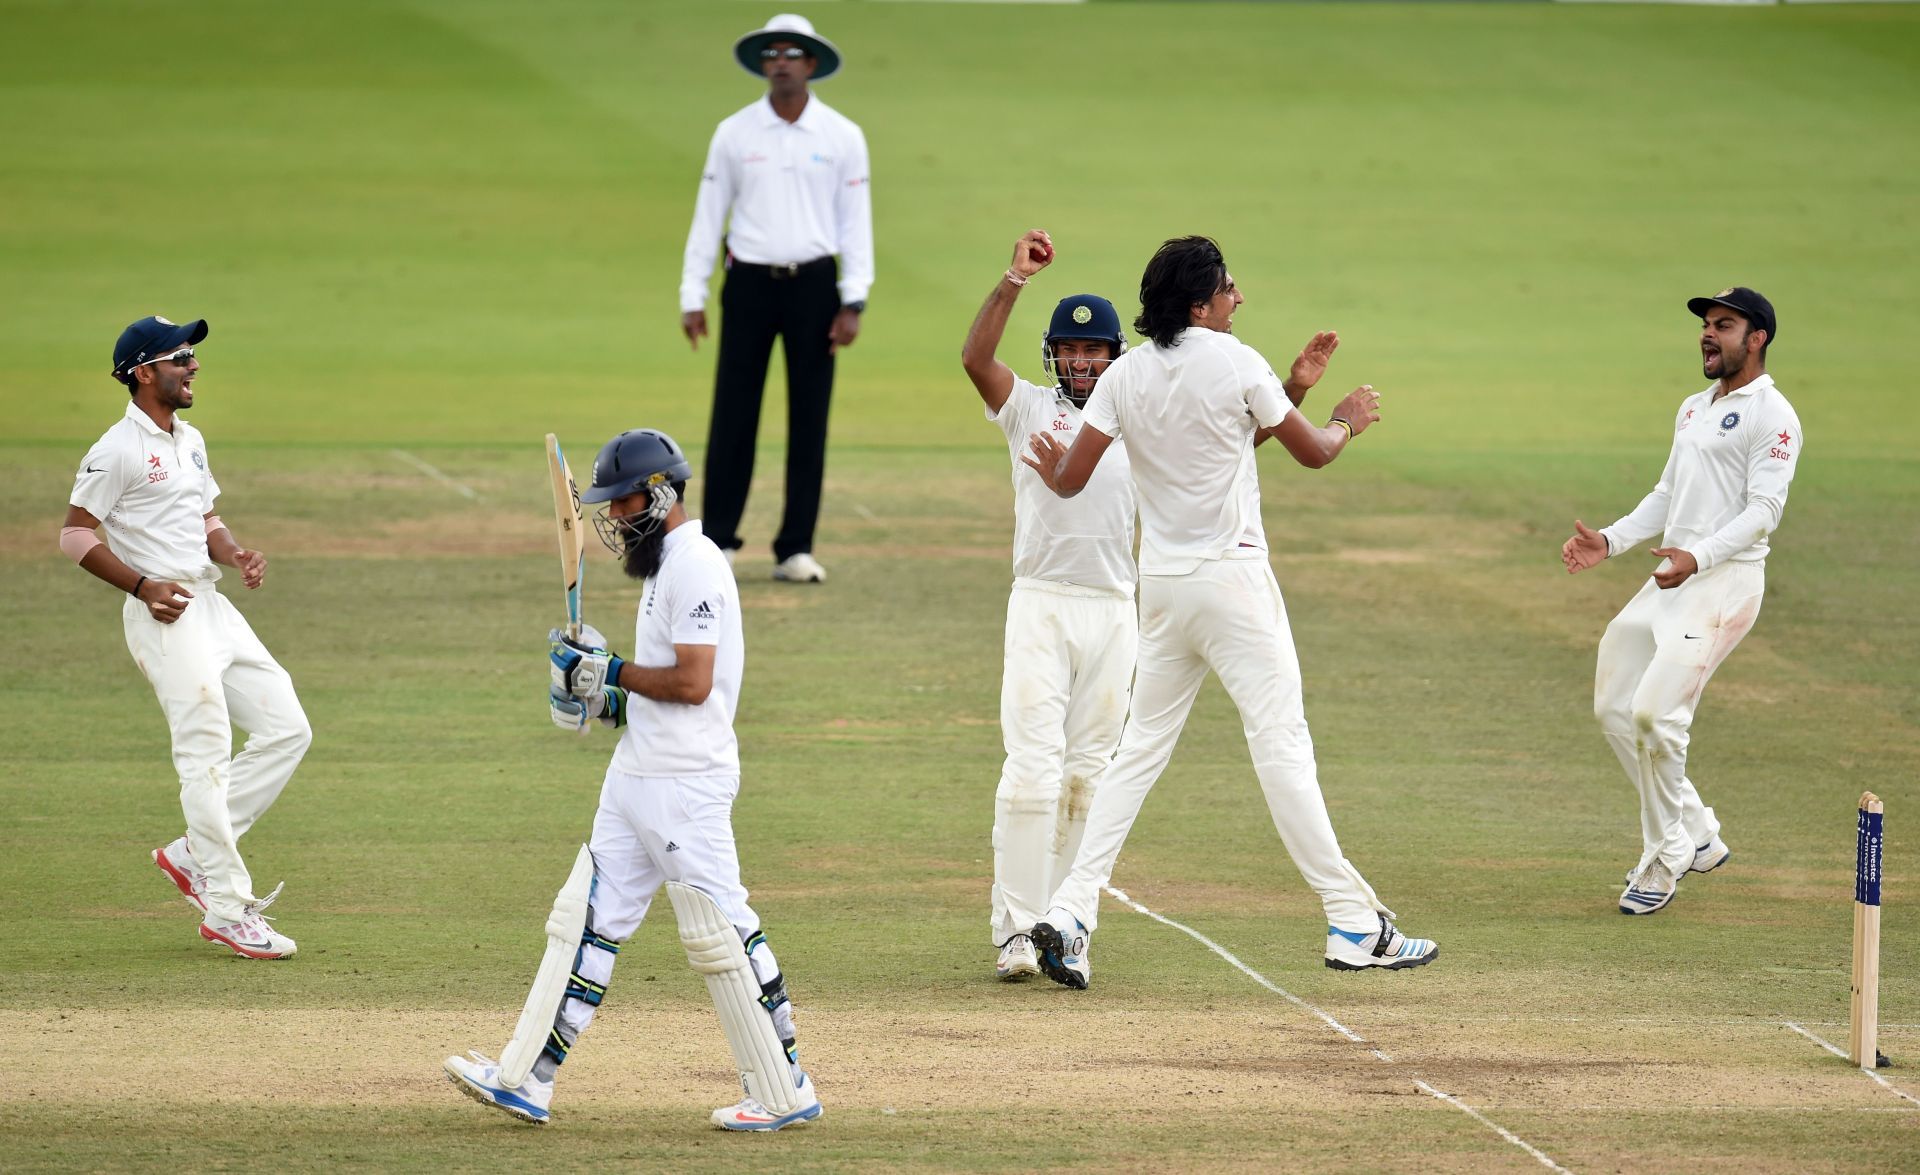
1063	700
1227	616
651	830
1654	663
211	673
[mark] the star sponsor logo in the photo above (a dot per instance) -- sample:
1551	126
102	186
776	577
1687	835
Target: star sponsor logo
155	470
1779	451
1786	438
1686	420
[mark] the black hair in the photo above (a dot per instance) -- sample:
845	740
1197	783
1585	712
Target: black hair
1184	272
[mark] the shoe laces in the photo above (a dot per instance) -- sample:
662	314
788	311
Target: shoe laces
258	904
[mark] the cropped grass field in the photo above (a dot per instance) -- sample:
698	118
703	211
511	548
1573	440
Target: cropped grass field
427	233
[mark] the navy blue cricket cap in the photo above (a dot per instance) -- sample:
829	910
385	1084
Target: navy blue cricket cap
1750	304
150	338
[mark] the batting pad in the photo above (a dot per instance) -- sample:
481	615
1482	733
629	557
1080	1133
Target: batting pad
715	951
564	927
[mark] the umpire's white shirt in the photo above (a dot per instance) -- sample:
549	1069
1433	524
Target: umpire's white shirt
1725	484
796	191
692	601
1086	540
152	490
1191	409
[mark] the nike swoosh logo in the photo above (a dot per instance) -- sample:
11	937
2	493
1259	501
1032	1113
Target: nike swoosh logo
1692	637
91	469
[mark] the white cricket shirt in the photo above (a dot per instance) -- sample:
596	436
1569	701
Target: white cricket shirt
1189	412
692	601
796	191
151	490
1725	484
1086	540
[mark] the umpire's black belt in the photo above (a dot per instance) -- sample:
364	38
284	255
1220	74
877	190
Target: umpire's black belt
784	270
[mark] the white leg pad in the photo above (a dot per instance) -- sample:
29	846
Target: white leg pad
715	951
564	927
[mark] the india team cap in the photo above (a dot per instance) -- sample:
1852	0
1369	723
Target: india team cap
787	27
153	336
1750	303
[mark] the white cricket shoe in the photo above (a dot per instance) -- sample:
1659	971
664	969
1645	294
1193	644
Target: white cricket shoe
251	937
175	860
748	1114
479	1079
1711	856
1064	944
1349	950
801	568
1017	959
1649	890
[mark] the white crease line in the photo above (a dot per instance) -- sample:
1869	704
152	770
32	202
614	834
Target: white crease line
1839	1052
1490	1124
860	508
465	491
1338	1027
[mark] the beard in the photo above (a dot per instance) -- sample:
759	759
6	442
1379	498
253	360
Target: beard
641	554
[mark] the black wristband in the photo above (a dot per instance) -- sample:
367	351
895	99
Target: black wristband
140	583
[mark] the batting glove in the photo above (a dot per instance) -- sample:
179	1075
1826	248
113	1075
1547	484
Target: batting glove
582	667
571	713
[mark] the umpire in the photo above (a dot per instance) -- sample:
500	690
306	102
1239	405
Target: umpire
786	179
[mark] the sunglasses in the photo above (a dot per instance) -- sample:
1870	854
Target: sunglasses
180	358
792	53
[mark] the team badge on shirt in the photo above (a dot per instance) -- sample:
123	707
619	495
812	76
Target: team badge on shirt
1729	420
199	462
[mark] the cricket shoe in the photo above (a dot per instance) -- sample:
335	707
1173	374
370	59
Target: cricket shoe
175	860
1017	959
800	568
1649	890
251	937
1064	942
479	1079
1356	950
1711	856
749	1114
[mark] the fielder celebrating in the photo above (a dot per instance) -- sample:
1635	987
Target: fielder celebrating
666	808
1201	400
1718	499
1071	630
147	479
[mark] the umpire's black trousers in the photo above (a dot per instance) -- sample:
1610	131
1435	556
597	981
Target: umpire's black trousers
758	302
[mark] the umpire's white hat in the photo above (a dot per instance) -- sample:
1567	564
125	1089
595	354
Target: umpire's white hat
787	27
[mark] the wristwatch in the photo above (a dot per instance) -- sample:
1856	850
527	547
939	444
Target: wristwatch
856	307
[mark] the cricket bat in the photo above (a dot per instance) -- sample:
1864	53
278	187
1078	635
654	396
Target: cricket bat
572	530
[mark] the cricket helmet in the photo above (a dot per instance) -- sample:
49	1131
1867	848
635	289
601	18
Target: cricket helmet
1083	316
638	461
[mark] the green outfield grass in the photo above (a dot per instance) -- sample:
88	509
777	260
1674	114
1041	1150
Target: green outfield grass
433	232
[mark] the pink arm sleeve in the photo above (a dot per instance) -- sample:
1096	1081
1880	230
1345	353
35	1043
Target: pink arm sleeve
76	541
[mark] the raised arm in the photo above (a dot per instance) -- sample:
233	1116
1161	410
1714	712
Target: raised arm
1316	447
993	379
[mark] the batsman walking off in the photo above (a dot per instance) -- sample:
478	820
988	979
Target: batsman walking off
666	808
1071	630
1717	501
148	481
1192	403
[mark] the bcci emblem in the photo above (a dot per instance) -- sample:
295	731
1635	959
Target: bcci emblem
199	462
1729	420
1083	314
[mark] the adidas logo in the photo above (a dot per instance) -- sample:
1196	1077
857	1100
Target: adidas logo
701	612
672	848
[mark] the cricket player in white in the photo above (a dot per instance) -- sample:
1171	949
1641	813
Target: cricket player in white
1071	627
1720	496
666	807
1192	402
148	482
